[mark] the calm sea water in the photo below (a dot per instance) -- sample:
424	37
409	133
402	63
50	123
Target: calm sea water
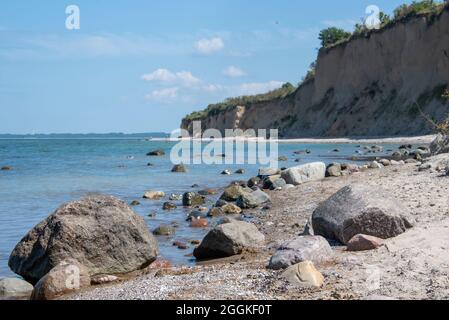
49	172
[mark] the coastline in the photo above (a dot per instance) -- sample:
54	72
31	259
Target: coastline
403	262
427	139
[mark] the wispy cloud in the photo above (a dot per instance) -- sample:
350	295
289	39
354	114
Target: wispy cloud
233	72
208	46
90	46
184	78
163	95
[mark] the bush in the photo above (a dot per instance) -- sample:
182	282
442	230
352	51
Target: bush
417	7
310	73
332	36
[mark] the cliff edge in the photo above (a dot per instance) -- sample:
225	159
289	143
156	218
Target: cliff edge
367	86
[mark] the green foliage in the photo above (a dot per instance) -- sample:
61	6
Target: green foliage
310	73
214	109
430	7
332	36
417	7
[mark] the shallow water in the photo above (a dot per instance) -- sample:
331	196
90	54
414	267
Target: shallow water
49	172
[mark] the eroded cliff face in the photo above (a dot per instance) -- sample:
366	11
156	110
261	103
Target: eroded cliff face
365	87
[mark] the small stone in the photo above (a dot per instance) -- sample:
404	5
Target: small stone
99	280
216	211
135	203
160	264
156	153
191	199
231	208
199	223
255	181
6	168
196	215
253	200
169	206
208	192
333	170
304	275
154	195
375	165
226	172
179	168
175	197
362	242
282	159
240	171
164	230
180	245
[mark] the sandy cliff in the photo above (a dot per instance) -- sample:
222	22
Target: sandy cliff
364	87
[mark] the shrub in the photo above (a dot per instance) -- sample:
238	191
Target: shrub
332	36
310	73
417	7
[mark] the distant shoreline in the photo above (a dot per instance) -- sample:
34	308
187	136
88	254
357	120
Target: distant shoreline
349	140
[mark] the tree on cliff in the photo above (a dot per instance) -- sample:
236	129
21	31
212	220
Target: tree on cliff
331	36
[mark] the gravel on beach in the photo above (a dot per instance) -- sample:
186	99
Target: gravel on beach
414	265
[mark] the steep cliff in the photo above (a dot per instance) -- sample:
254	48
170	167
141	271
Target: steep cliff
367	86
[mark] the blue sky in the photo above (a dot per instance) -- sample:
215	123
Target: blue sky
139	66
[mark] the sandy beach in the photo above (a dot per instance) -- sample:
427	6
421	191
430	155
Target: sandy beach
427	139
413	265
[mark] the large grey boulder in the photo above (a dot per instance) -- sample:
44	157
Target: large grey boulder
14	287
440	144
252	200
100	232
229	239
303	248
360	209
304	173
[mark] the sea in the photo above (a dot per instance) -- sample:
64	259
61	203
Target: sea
51	170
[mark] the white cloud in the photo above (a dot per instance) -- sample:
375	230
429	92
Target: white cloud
213	88
187	78
161	75
90	46
233	72
208	46
184	78
162	94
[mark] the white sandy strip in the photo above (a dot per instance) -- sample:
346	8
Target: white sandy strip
366	140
